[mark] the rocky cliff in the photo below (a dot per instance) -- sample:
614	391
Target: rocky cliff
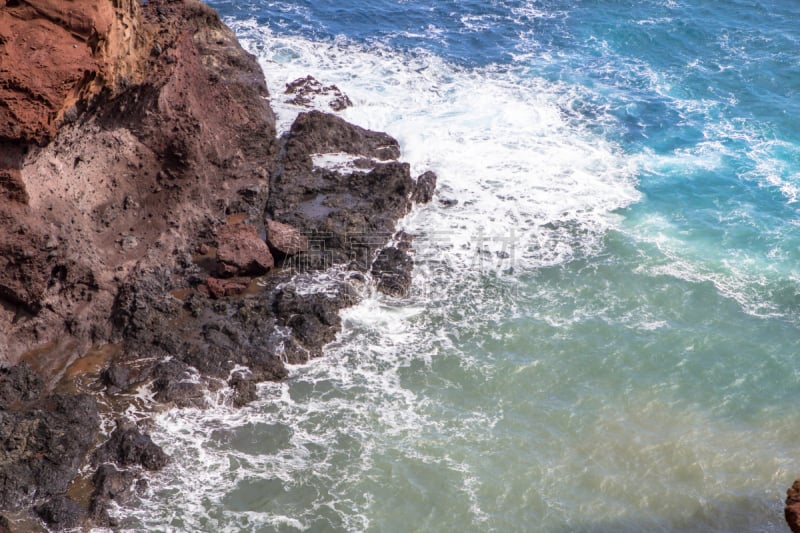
152	227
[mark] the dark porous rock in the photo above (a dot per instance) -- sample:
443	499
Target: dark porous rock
313	318
448	202
175	383
244	390
60	513
284	239
5	525
307	90
128	446
43	445
241	251
19	383
392	271
426	186
792	510
116	377
346	217
322	133
220	288
110	485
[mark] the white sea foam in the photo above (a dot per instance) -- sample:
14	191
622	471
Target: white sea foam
532	190
498	141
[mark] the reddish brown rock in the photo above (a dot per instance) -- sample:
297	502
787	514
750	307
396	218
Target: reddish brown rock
284	238
792	509
53	54
241	251
105	142
219	288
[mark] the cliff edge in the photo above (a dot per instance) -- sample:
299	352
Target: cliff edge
152	232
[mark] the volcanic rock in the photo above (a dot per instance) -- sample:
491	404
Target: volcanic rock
128	446
792	510
101	141
42	446
110	485
60	513
19	383
117	377
241	251
219	288
307	90
392	271
426	186
284	239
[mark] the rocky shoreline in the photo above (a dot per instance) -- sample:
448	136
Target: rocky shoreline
157	234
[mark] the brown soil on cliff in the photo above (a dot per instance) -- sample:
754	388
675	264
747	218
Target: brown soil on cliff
143	193
156	149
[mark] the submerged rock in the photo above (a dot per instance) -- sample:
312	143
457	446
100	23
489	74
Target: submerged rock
307	90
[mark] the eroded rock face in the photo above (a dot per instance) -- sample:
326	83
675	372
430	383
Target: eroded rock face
151	132
163	129
42	445
56	55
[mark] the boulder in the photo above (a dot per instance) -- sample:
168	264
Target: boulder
116	377
425	187
307	91
284	239
392	271
244	389
241	252
110	485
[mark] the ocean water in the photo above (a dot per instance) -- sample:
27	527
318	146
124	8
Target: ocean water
602	335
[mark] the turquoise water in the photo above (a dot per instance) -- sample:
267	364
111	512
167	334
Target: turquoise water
603	333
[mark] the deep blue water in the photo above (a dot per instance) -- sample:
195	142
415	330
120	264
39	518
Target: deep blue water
603	335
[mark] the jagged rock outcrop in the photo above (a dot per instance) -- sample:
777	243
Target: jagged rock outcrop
308	92
139	166
169	131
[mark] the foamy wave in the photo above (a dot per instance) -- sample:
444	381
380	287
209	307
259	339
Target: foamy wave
520	187
532	188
